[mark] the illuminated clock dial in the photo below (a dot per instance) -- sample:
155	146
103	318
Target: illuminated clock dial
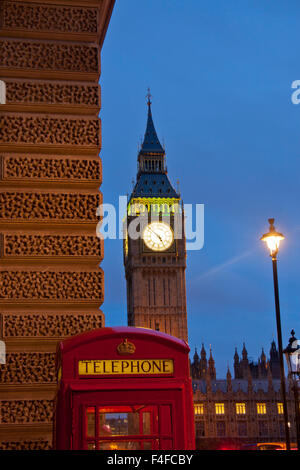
158	236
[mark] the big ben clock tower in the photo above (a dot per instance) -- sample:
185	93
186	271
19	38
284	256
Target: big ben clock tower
154	244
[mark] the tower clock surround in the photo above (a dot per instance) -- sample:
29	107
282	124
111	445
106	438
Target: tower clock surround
155	261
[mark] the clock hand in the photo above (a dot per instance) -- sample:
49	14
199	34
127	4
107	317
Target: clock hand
156	234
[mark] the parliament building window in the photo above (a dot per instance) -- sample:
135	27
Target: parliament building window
220	409
240	408
242	429
221	428
261	408
199	409
281	429
200	428
262	428
280	408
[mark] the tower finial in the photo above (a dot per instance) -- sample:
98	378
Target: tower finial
149	96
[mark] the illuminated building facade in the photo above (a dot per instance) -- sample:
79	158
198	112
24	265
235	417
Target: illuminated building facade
241	410
51	286
155	261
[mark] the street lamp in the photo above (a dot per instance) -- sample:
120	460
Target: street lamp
292	355
273	239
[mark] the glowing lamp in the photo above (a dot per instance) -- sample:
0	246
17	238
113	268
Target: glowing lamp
272	239
292	355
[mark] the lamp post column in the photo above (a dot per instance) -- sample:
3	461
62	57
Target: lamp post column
279	337
297	412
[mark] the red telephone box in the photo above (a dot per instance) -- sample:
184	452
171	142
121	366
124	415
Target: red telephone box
123	389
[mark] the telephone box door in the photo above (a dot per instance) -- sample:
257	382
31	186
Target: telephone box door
103	425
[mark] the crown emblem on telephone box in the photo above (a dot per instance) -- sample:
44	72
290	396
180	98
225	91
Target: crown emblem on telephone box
126	347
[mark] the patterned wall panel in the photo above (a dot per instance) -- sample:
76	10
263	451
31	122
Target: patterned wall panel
49	286
51	93
69	207
48	18
48	131
39	168
50	325
24	246
24	368
39	444
46	56
26	411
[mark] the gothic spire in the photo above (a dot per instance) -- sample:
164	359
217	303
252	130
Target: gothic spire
151	142
236	357
244	353
273	351
203	352
263	356
211	365
228	380
196	357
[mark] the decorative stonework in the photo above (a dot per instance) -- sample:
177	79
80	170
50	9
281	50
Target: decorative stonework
51	245
49	131
23	368
36	93
41	17
26	411
51	325
52	206
23	167
26	445
34	55
51	286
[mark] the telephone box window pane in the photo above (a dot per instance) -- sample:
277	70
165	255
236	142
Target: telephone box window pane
91	446
147	445
120	445
90	422
146	422
119	424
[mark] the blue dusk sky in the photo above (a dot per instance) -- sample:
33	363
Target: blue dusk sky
220	75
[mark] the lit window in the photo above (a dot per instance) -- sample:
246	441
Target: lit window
240	408
280	408
261	408
199	409
220	410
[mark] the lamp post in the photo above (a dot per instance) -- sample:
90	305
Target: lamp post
292	355
272	239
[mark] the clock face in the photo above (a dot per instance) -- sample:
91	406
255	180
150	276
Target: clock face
158	236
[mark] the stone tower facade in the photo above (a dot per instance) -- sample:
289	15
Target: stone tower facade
154	245
51	285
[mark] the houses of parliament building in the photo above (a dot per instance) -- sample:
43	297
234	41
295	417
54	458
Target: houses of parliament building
241	409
